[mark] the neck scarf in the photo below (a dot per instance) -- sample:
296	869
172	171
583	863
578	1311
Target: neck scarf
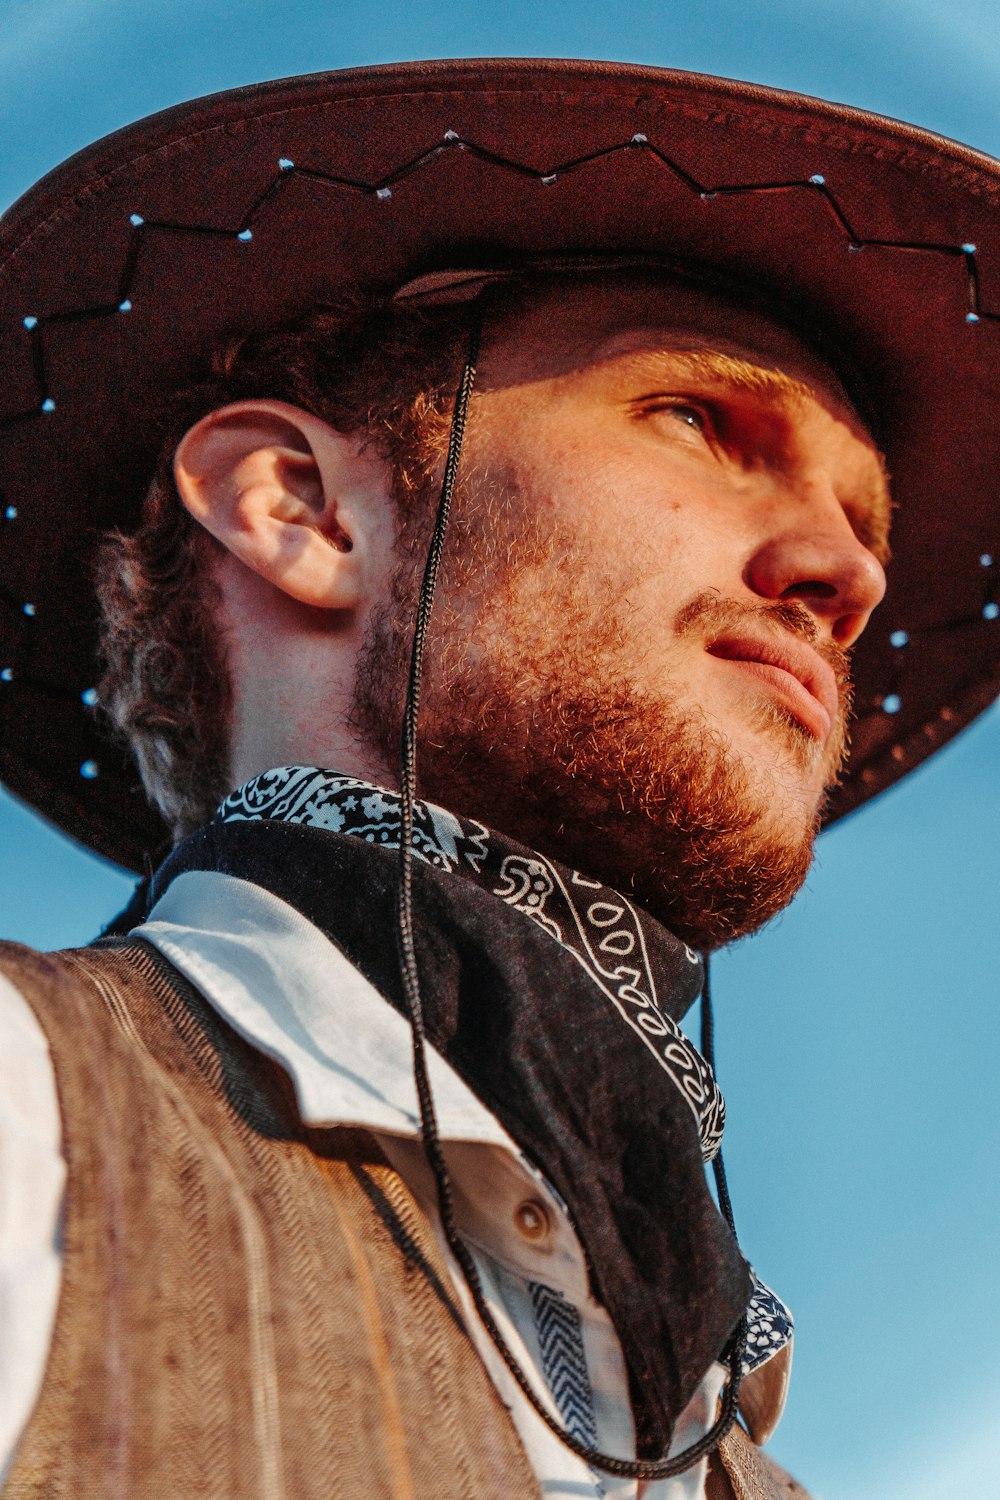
558	1002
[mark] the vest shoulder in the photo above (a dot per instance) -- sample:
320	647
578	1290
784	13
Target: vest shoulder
33	966
61	986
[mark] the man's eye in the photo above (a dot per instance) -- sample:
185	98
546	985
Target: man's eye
698	418
691	416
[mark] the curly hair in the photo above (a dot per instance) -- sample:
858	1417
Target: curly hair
385	372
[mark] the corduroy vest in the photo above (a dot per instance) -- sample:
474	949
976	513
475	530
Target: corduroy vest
249	1307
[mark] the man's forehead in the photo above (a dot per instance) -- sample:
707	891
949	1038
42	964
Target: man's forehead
560	325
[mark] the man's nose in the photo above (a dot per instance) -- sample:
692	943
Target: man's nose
812	554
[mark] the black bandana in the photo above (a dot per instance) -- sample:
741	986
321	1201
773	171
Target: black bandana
557	1001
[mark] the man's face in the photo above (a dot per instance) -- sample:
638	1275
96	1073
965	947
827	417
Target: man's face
668	533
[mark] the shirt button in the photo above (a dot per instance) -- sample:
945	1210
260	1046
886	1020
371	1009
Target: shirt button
531	1220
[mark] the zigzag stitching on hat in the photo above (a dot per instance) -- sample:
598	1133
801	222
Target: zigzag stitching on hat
382	188
564	1360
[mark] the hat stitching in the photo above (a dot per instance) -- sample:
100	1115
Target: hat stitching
909	154
381	188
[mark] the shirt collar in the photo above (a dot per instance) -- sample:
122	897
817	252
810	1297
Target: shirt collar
287	990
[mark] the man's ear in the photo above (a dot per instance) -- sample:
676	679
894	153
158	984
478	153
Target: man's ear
285	494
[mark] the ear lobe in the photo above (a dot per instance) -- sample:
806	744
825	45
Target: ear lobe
269	481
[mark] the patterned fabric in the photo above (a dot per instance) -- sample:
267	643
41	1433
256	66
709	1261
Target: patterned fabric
564	1360
601	929
769	1326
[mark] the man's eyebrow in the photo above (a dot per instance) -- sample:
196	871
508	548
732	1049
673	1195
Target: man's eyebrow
732	370
872	509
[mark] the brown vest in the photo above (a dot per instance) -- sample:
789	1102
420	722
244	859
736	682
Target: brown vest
249	1307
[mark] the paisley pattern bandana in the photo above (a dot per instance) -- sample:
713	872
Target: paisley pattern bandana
558	1001
600	929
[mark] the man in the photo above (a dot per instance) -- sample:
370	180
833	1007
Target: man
670	525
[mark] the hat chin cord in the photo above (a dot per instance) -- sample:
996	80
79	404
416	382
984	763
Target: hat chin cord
660	1468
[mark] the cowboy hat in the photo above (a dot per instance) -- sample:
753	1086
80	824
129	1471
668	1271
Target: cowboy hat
122	269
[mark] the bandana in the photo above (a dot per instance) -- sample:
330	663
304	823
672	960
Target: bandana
558	1002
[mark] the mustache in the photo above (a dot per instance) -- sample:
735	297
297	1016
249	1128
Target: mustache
709	613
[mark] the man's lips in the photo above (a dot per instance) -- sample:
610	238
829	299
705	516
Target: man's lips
793	670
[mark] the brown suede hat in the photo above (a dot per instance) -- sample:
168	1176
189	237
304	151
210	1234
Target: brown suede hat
123	268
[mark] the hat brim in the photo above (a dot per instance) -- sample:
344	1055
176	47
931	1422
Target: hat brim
125	266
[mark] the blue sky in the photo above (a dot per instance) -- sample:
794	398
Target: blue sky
857	1035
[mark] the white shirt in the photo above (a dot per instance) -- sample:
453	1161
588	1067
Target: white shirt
287	990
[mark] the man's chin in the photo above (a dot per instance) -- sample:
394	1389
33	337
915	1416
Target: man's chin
729	897
709	848
791	768
710	883
737	850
